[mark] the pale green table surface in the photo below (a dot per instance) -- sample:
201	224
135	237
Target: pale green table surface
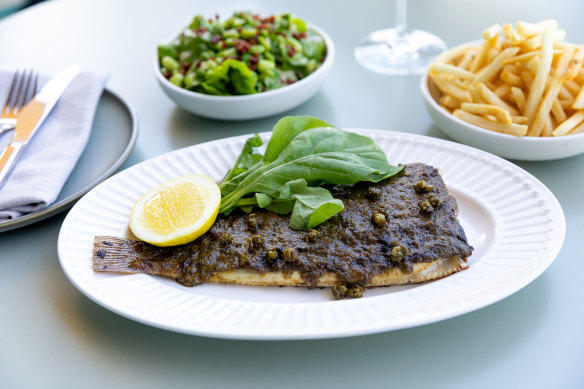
52	336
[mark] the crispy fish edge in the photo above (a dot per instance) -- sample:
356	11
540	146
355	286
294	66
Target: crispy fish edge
119	262
421	272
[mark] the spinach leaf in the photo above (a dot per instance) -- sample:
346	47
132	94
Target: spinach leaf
190	47
313	46
285	130
303	153
309	206
319	155
312	205
198	21
166	51
232	77
247	158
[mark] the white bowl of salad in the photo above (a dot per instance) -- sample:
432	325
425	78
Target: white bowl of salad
245	67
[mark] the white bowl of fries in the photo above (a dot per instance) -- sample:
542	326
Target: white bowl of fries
520	96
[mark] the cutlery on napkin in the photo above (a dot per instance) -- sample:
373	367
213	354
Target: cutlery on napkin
51	155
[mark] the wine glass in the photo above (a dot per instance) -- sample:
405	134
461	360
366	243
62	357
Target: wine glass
397	51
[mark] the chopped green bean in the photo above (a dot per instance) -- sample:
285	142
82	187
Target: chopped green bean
274	51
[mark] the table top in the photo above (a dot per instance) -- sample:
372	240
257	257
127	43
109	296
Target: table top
53	336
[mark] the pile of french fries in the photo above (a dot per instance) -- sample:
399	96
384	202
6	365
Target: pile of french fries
523	80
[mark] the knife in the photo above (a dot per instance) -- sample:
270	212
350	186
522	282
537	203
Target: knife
32	117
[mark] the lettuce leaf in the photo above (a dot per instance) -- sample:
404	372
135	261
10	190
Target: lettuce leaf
303	153
232	77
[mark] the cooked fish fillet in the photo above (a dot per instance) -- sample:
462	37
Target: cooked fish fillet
401	230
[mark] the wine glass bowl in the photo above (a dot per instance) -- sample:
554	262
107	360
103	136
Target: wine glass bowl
398	51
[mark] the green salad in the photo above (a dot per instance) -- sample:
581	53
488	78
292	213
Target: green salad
242	55
302	154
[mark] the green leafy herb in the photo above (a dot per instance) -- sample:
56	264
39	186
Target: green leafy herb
246	159
232	77
303	153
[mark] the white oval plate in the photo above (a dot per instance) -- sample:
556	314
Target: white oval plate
514	222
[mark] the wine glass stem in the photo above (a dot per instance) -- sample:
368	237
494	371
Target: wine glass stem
400	17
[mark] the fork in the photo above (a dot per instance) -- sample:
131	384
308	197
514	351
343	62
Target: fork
23	88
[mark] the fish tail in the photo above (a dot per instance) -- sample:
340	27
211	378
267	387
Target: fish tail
111	254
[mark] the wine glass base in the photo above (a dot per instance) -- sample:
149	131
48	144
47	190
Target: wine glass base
388	52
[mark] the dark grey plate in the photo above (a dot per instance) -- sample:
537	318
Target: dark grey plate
113	135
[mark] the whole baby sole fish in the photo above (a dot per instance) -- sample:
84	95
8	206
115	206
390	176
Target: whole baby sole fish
401	230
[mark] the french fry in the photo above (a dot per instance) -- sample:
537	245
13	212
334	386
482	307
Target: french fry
518	59
450	55
527	79
449	89
511	129
579	100
565	94
493	53
492	32
548	126
575	65
489	71
531	29
572	86
536	126
452	70
580	77
466	60
577	130
449	102
492	98
502	91
569	124
511	78
538	85
522	80
536	41
512	35
482	54
533	65
486	109
518	97
558	111
519	119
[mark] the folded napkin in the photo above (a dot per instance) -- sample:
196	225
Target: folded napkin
51	155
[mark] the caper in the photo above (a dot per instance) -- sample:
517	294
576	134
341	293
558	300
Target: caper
379	219
289	255
423	187
225	238
435	201
342	291
339	291
243	260
425	206
272	254
312	235
373	193
252	221
257	240
355	291
398	253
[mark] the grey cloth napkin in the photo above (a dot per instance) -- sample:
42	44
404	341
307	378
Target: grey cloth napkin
51	155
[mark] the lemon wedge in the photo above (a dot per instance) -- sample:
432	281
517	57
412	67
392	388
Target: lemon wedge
176	212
